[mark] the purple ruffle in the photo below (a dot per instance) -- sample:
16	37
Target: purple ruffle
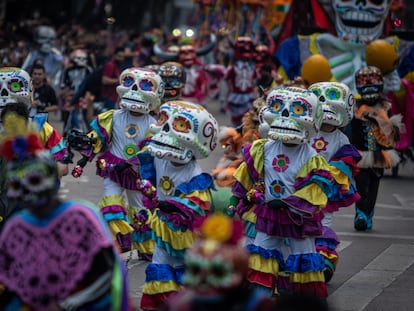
59	155
332	206
112	209
301	205
250	162
283	223
127	179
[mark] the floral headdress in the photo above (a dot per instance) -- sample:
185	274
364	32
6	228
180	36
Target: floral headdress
221	228
19	141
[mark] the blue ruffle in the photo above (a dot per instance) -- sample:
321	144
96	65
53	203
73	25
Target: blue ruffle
141	236
200	182
302	263
250	229
147	168
329	243
267	254
343	167
162	272
167	247
115	216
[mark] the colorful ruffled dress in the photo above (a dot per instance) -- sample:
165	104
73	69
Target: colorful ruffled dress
120	135
46	260
337	150
50	136
283	254
187	192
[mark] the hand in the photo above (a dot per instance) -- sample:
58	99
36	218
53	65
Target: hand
77	171
276	204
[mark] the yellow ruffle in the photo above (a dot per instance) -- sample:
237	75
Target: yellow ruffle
158	287
178	240
45	132
249	216
340	177
243	177
331	257
113	199
313	194
307	277
120	226
146	247
258	263
313	164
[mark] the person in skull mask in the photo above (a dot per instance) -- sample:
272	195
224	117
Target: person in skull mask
45	51
374	133
73	78
119	134
174	77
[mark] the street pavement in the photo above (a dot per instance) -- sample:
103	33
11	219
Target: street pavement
376	268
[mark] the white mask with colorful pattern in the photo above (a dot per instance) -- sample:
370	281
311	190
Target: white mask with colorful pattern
292	115
15	86
184	131
140	90
337	102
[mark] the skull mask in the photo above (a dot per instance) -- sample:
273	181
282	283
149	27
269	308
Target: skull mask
360	20
369	83
140	90
337	102
187	55
79	57
15	86
45	37
292	115
174	76
244	48
184	131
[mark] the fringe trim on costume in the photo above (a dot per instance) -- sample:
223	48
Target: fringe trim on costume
390	158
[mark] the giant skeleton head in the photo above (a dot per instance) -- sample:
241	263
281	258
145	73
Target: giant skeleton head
184	131
45	38
292	115
360	20
140	90
15	86
337	102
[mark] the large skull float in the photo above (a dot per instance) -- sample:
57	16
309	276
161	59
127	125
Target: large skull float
15	86
360	21
292	115
337	102
140	90
184	131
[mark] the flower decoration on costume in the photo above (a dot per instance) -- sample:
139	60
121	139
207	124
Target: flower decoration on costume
320	144
18	141
280	163
277	188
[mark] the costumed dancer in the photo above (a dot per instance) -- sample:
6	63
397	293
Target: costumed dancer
374	134
231	142
16	94
331	143
216	271
117	136
54	255
184	133
281	187
241	76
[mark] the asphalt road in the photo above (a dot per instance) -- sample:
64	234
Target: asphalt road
375	270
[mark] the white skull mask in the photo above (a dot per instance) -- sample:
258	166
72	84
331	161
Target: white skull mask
184	131
45	37
360	20
292	115
140	90
337	102
15	86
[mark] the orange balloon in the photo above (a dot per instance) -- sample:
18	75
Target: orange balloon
315	69
380	53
